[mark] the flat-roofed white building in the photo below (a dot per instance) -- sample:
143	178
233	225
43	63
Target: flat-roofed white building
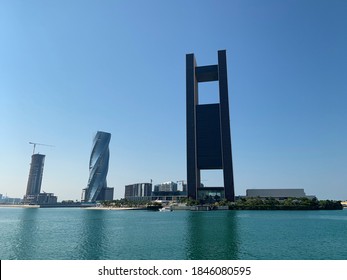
277	193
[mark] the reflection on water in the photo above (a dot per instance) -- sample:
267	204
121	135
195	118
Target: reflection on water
212	235
26	242
93	239
95	234
68	234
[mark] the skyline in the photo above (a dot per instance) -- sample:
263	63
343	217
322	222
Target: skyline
69	70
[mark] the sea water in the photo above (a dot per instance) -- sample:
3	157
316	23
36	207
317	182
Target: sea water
85	234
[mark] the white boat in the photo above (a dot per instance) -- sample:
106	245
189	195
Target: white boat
165	209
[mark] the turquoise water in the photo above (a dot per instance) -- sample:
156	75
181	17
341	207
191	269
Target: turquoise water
65	233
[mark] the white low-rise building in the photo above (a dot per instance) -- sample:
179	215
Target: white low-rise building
277	193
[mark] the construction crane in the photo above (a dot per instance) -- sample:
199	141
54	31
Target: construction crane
32	143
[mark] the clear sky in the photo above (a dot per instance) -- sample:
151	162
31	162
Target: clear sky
71	68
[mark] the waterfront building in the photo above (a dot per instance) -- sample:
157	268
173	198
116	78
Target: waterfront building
35	178
106	194
46	198
184	187
166	187
138	191
33	193
168	196
168	191
211	194
208	127
10	200
279	194
98	167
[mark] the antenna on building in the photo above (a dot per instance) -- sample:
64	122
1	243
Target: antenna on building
32	143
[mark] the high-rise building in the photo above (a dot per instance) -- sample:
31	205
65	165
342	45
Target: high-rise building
98	167
208	127
35	177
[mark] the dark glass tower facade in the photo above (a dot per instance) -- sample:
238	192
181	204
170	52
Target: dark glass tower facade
208	127
35	176
98	168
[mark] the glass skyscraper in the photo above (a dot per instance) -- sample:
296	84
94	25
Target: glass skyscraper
98	168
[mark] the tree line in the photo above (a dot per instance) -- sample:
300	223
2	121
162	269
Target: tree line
254	203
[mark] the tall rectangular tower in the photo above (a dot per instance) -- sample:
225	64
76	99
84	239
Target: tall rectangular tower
208	126
35	176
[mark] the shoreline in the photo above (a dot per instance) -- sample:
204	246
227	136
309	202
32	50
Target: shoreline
115	208
18	206
173	208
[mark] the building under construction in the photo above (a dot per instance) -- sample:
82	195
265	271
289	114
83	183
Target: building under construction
35	176
33	193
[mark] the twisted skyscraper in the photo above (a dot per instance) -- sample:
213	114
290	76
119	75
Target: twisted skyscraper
98	167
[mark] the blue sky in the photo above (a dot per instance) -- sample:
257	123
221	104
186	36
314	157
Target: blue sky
71	68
